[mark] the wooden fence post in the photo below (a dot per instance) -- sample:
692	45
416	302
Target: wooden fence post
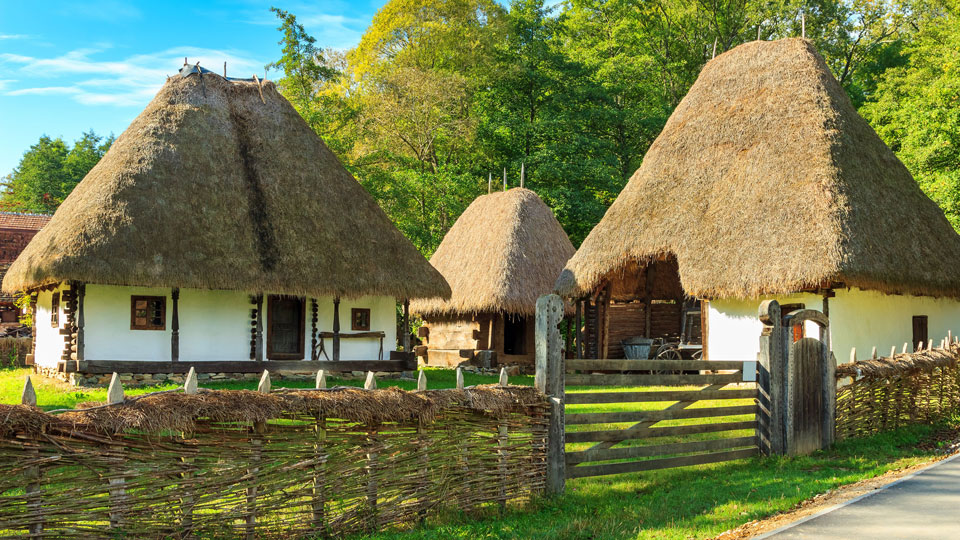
33	475
256	450
772	379
187	500
372	456
117	480
503	442
549	380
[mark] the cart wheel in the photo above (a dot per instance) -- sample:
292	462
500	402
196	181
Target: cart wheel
669	353
698	355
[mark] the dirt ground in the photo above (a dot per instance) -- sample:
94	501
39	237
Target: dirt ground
845	493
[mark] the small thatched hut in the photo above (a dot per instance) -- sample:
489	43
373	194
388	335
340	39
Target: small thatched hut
766	183
503	253
218	230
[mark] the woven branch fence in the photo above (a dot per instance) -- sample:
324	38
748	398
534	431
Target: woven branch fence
229	464
890	392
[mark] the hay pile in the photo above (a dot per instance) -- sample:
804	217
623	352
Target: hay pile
505	251
220	184
765	180
176	411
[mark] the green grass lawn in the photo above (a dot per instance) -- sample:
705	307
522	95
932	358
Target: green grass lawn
691	502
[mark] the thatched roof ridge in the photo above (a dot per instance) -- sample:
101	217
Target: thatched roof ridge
504	252
220	184
765	180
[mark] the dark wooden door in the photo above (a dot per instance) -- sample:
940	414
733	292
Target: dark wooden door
286	317
805	396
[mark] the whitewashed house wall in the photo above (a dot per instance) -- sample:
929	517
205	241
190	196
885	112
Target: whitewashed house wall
214	326
858	318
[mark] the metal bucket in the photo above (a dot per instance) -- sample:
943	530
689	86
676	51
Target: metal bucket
637	348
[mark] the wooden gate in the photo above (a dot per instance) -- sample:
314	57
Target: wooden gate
662	414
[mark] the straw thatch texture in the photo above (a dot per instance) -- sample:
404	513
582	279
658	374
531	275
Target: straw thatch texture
300	469
888	393
765	180
212	188
504	252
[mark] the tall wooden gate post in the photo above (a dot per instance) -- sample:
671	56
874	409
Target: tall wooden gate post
798	388
549	380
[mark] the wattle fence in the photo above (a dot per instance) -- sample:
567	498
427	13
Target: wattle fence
229	464
890	392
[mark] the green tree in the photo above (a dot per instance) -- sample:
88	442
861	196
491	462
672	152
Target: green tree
49	171
916	109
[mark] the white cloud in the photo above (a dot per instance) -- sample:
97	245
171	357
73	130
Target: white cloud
130	81
6	82
13	36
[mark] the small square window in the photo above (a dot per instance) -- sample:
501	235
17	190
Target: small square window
55	310
148	312
360	319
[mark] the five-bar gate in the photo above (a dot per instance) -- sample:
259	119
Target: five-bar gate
669	413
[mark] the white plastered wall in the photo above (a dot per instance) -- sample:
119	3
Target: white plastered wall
858	318
49	341
214	325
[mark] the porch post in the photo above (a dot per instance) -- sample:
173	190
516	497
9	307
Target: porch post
81	289
258	355
578	332
406	325
336	328
174	325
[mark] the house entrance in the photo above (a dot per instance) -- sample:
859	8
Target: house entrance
514	335
285	327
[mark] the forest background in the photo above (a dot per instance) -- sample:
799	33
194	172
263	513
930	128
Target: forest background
441	96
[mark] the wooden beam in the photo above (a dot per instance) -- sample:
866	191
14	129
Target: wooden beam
81	292
336	328
583	398
406	325
646	365
653	464
633	452
651	380
644	416
619	435
241	366
175	325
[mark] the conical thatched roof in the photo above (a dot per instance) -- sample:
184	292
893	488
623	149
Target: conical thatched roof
216	187
504	252
765	180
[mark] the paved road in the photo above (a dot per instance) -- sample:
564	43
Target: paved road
924	506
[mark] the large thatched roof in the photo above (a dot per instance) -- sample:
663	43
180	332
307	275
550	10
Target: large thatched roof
765	180
216	187
505	251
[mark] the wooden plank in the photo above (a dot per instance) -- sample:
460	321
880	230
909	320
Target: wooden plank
630	434
632	452
654	464
642	416
242	366
651	380
585	398
645	365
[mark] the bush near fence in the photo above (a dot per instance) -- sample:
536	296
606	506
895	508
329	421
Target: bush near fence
13	351
223	464
887	393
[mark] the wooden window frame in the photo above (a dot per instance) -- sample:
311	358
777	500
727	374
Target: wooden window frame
148	298
924	339
55	310
353	319
301	340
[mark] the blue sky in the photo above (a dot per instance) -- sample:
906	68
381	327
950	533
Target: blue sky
70	66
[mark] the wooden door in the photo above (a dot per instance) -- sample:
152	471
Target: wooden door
286	317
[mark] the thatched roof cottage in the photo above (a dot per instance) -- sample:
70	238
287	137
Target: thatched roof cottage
766	183
504	252
217	228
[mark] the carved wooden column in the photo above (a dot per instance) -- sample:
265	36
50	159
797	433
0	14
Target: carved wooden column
81	292
175	325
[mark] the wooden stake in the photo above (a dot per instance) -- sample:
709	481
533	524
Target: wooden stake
371	382
893	351
459	379
853	354
522	173
29	395
264	386
803	24
190	384
504	178
321	379
503	376
115	390
873	353
489	183
714	55
421	381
